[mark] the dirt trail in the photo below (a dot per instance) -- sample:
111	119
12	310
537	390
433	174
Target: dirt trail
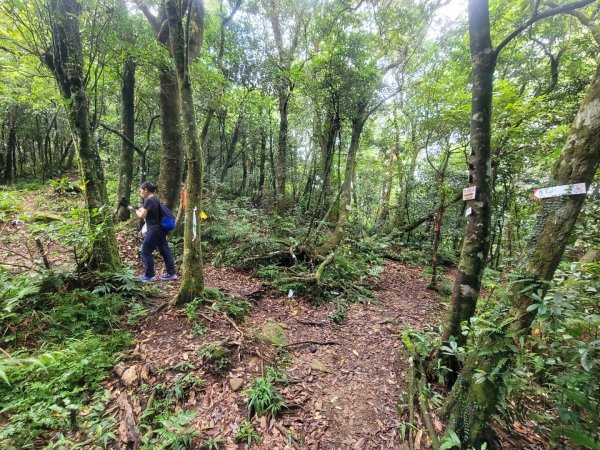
343	381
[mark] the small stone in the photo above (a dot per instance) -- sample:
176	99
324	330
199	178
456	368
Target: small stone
274	333
315	364
130	375
236	384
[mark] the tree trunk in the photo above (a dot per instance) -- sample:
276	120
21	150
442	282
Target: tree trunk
228	163
327	133
437	222
384	208
261	166
172	154
128	127
9	173
471	404
337	235
192	283
407	174
65	60
475	245
284	97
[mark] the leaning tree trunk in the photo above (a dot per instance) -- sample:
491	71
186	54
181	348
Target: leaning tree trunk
65	60
192	283
128	126
471	404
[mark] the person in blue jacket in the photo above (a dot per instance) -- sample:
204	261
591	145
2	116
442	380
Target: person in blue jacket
155	237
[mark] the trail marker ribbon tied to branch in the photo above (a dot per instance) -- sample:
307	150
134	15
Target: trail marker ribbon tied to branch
558	191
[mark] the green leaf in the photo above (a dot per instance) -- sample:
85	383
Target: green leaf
585	363
578	437
3	376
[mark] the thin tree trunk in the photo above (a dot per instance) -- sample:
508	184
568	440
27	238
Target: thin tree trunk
128	126
475	245
261	166
284	96
384	208
228	162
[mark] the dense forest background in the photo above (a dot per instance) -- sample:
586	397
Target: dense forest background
305	143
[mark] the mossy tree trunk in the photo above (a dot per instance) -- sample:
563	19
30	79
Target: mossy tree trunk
471	404
192	283
172	152
476	241
65	60
171	131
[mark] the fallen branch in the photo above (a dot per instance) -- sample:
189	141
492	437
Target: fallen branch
293	344
314	277
286	432
127	427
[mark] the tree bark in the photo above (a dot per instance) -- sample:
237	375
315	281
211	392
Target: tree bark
192	283
172	152
475	245
65	60
128	127
470	405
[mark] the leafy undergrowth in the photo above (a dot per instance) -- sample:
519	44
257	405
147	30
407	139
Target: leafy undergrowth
60	343
271	248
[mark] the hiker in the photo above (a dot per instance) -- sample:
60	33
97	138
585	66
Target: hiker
154	237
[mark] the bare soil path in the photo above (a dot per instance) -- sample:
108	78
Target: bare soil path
343	381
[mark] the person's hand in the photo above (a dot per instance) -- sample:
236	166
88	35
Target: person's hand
130	208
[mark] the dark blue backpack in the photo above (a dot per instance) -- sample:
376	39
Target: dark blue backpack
167	219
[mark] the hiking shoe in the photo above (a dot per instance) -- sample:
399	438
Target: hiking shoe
167	277
145	279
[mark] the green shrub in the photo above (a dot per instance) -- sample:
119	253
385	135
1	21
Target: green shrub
236	309
247	434
263	397
216	356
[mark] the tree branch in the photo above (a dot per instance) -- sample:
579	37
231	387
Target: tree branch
122	136
537	17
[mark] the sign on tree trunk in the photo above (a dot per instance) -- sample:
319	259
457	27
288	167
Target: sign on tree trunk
557	191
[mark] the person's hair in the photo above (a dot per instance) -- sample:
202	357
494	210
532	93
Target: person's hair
151	187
